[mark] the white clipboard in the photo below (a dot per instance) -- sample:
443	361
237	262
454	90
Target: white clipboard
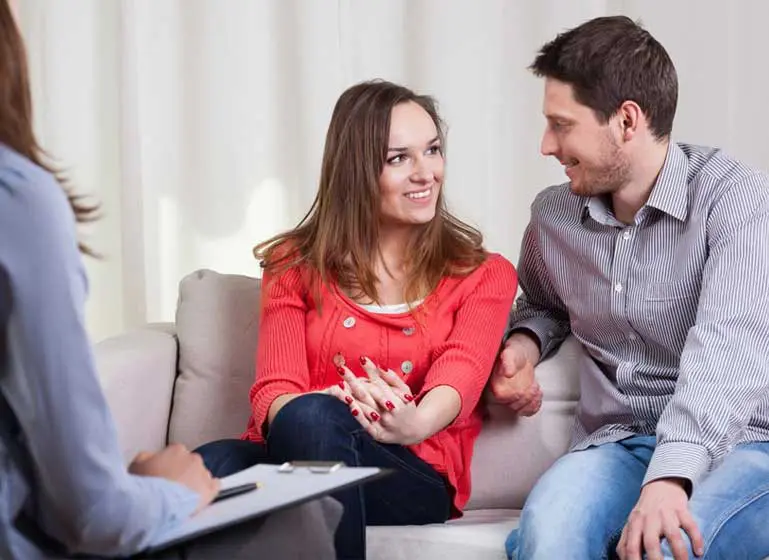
277	490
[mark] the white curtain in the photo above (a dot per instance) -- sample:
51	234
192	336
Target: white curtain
199	124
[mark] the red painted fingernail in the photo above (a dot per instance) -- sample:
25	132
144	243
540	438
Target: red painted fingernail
341	385
340	371
348	400
389	405
362	361
374	416
409	397
354	411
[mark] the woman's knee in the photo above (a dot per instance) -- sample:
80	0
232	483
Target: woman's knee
228	456
311	427
310	413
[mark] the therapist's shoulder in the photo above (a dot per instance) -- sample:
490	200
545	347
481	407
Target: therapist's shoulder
37	222
30	191
32	201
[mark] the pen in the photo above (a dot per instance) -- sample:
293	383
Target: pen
235	491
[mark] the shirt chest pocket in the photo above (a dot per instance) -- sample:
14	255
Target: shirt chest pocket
665	312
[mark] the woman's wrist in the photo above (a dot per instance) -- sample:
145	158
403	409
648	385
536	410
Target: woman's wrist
436	410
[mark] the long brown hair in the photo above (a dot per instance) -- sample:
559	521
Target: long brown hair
16	130
337	240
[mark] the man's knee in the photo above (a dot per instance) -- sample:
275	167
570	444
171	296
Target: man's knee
575	507
545	533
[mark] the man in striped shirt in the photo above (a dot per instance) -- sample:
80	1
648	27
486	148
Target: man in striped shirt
655	256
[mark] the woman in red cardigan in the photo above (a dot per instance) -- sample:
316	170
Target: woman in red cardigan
382	316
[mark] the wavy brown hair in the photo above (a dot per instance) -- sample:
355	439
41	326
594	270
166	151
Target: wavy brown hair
338	239
16	130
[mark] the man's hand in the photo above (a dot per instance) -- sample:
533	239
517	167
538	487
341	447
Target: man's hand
661	511
512	381
178	464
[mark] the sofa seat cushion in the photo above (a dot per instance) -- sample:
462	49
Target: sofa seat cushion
480	535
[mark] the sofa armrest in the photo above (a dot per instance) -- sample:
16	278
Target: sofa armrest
137	371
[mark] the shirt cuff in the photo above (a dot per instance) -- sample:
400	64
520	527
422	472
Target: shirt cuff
182	501
177	503
678	460
548	332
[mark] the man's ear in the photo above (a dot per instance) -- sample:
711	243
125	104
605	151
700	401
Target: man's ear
630	119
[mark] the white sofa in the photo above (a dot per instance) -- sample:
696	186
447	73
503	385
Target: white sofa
189	383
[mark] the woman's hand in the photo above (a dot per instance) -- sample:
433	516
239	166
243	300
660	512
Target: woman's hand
384	405
385	387
341	391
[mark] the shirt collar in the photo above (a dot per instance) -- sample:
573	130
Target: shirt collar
670	193
597	208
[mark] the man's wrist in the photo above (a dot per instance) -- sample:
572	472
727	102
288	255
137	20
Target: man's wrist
684	483
528	335
677	460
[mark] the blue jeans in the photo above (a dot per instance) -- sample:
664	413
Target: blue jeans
320	428
579	507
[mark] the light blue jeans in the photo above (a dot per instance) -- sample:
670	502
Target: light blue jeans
577	510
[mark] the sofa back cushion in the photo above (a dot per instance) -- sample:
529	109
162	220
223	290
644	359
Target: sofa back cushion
512	453
217	320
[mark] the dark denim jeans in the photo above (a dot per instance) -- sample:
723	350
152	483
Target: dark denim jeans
321	428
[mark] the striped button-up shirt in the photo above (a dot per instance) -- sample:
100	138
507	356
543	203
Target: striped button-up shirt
672	310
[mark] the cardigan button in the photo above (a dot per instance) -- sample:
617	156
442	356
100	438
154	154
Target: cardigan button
407	367
349	322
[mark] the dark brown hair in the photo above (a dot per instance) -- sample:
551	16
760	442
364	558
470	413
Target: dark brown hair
16	130
610	60
338	238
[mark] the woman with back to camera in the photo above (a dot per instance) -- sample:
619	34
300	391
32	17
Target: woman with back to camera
64	487
381	317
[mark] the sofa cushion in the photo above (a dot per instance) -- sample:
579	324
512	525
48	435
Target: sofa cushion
137	371
512	453
217	320
479	535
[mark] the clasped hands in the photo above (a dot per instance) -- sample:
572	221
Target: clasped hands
381	402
